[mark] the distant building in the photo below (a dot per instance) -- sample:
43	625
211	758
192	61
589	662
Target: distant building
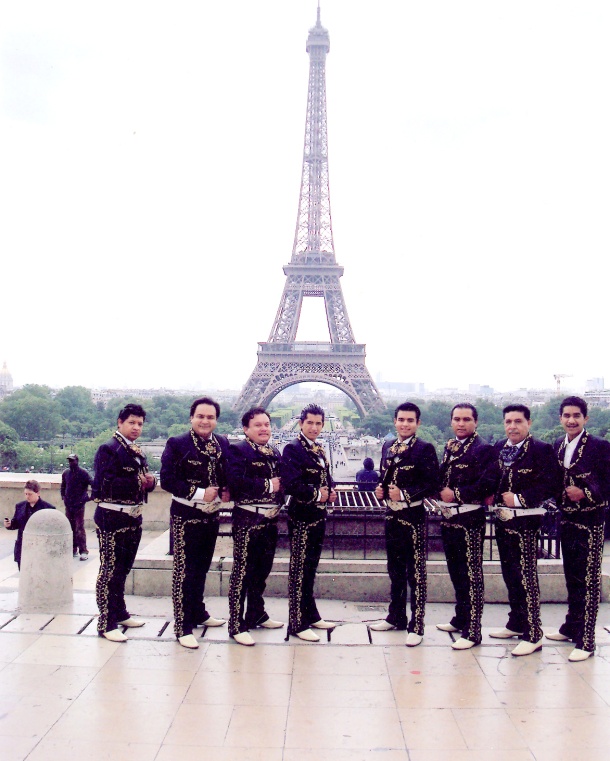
480	392
6	381
594	384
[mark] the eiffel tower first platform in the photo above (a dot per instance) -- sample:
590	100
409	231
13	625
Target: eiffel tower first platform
313	272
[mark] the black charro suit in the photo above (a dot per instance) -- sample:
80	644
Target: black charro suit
462	468
251	468
533	477
118	465
189	463
304	470
582	533
413	468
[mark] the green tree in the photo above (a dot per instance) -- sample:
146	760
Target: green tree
34	416
378	423
9	441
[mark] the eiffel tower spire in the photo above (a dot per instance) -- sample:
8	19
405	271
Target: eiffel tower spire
312	272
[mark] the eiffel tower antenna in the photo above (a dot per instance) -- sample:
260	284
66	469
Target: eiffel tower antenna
312	272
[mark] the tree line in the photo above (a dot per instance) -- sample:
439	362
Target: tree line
40	426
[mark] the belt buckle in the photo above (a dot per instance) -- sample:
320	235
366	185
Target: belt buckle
273	512
446	512
504	514
135	511
210	507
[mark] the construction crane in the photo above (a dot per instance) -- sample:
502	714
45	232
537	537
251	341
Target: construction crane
558	377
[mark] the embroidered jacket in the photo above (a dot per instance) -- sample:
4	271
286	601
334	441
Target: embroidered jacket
251	469
414	471
189	463
589	470
304	471
463	466
117	473
533	476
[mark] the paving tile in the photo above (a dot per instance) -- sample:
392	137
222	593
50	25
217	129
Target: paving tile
349	634
438	660
142	693
194	753
67	624
95	749
40	680
5	618
353	754
343	727
443	691
68	651
251	660
378	682
29	623
257	726
200	725
340	660
121	721
476	755
118	672
18	748
307	696
431	729
30	716
13	645
489	729
239	688
561	729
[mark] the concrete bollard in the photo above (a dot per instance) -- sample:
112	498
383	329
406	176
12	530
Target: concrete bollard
45	580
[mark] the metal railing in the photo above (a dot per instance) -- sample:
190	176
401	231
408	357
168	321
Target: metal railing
355	527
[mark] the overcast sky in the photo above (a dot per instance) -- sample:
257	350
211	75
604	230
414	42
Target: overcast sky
149	182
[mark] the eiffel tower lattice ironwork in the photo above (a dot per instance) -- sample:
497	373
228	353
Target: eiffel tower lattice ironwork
313	271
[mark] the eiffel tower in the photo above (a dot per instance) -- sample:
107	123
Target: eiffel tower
313	272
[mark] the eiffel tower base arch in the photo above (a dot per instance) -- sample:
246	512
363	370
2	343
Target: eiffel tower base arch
341	366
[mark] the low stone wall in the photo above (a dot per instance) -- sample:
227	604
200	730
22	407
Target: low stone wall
355	580
156	512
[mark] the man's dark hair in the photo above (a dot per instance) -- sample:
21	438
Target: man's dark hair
252	413
311	409
131	409
466	406
408	407
517	408
32	486
205	400
368	463
574	401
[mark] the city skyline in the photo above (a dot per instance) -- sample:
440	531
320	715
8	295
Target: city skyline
150	190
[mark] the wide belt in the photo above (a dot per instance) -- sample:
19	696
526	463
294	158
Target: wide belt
205	507
134	510
508	513
269	511
449	509
402	505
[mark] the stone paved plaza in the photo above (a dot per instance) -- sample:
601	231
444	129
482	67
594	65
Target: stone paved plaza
67	694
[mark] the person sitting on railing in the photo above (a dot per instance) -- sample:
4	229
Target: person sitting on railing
367	477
